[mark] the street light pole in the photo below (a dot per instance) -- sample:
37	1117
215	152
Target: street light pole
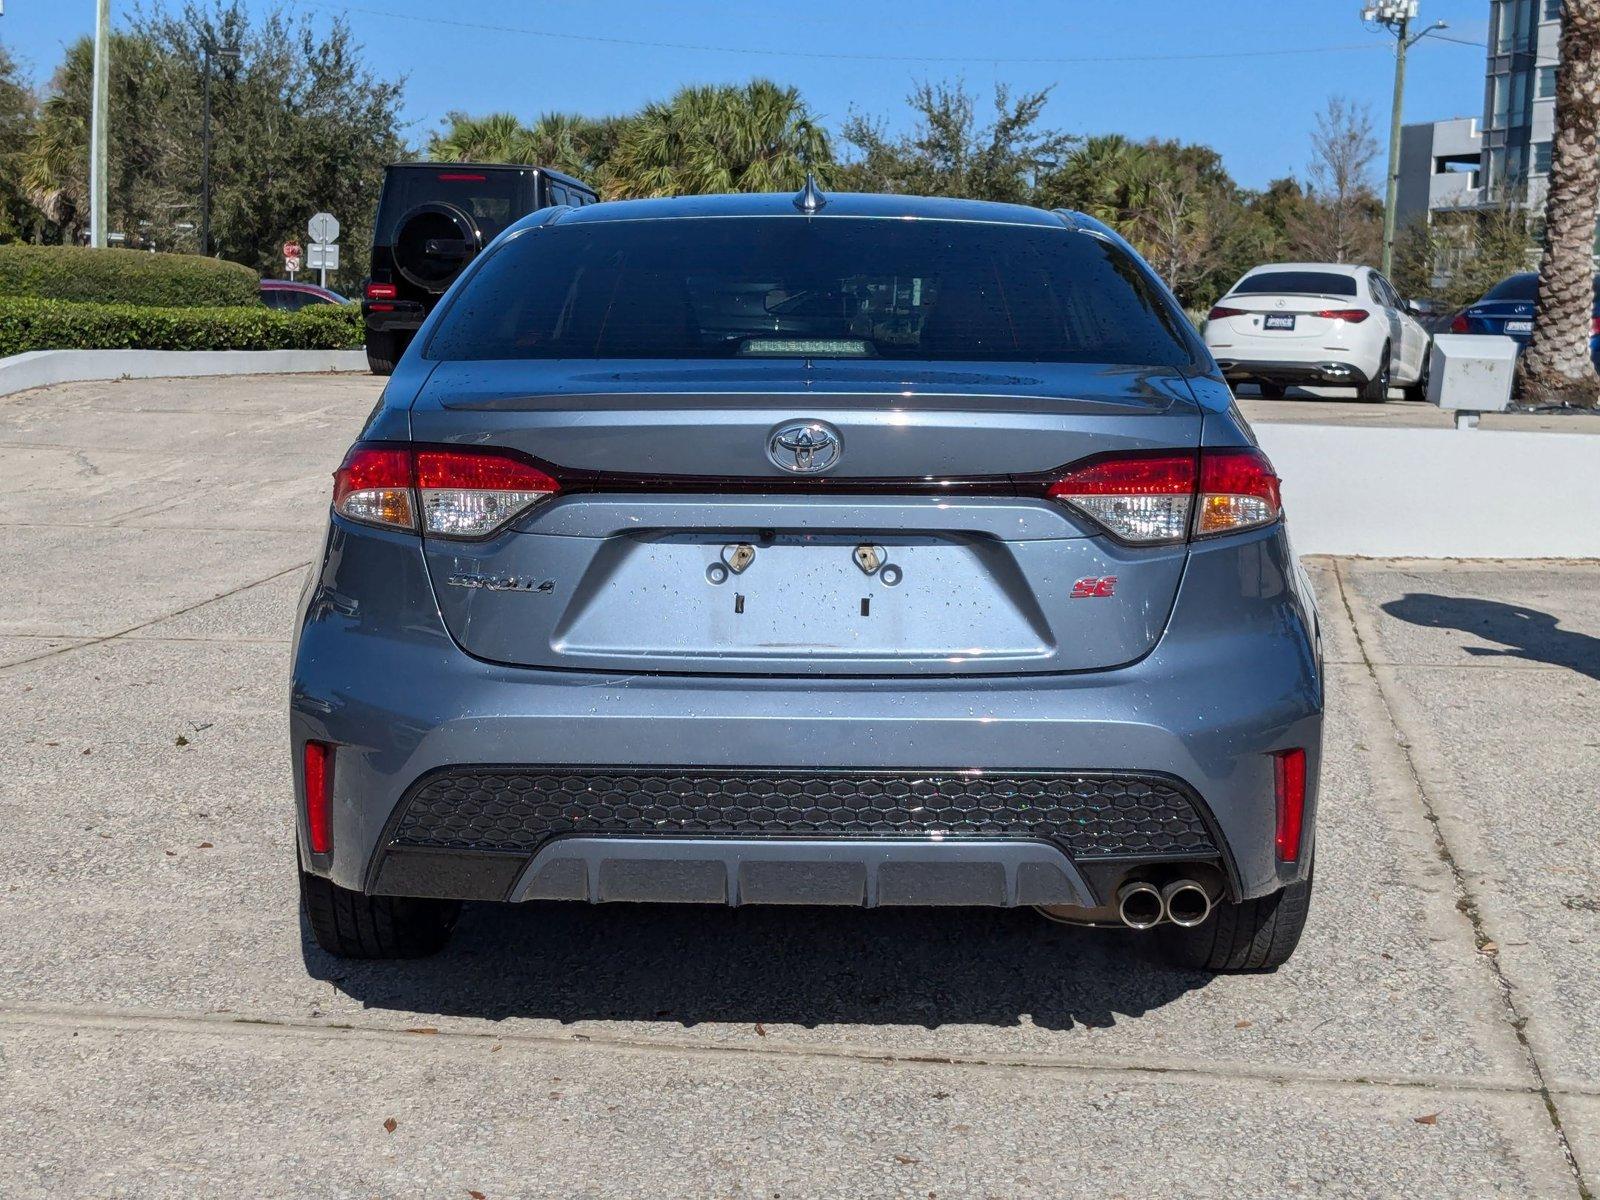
1396	16
98	132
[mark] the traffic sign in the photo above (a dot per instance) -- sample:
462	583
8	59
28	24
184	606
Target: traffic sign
323	258
291	257
323	228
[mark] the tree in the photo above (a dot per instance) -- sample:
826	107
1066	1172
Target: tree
1556	367
756	138
19	218
298	122
948	153
1460	255
1342	219
578	145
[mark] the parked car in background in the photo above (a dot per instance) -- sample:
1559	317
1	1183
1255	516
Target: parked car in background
1507	308
1318	323
764	549
290	295
433	219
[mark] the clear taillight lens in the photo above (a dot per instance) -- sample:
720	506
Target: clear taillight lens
1167	497
1141	499
455	493
373	486
469	494
1238	490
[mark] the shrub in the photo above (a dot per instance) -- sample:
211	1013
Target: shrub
55	325
87	276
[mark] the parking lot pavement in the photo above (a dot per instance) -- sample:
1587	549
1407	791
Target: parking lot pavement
167	1029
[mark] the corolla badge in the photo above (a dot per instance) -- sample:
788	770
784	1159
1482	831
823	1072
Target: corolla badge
805	447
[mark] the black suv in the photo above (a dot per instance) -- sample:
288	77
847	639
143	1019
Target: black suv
432	219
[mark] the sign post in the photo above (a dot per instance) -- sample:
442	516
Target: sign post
324	231
291	258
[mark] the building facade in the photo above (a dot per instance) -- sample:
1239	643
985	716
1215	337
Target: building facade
1504	156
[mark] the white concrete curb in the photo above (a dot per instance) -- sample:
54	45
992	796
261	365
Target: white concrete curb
39	368
1438	493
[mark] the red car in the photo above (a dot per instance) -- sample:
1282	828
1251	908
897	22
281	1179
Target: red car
287	295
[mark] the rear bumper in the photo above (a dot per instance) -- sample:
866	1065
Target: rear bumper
1235	677
393	316
1314	371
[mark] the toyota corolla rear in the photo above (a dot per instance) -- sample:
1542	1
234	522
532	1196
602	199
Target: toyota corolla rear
879	552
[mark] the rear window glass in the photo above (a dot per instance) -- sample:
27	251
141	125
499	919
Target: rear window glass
826	287
490	198
1516	287
1296	283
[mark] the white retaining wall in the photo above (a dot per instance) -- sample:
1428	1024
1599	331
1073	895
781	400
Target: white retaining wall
1438	493
41	367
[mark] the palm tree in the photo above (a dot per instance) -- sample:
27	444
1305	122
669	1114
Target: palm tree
1556	367
755	138
499	137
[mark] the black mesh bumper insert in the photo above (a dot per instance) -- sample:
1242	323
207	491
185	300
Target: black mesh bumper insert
1089	814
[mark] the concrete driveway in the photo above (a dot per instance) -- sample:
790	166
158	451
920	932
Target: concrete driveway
166	1029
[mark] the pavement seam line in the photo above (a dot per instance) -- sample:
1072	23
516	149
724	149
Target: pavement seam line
224	1025
121	633
1467	901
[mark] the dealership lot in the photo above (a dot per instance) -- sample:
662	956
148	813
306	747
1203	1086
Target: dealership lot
165	1028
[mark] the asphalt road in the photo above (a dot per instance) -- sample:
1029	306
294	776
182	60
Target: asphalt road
167	1030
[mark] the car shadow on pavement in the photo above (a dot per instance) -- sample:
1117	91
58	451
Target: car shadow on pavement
1525	633
688	965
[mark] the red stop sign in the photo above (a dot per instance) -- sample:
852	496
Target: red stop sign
291	249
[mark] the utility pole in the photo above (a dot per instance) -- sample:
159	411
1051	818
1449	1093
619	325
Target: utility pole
1395	16
205	145
98	122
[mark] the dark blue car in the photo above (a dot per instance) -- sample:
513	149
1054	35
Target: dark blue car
1507	308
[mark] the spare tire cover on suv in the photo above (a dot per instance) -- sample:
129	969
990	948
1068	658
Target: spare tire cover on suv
433	242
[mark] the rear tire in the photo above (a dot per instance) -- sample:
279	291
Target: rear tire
355	925
1376	390
383	351
1255	935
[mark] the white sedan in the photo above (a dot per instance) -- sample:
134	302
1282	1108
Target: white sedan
1318	323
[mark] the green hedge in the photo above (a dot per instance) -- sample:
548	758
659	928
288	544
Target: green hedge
86	276
54	325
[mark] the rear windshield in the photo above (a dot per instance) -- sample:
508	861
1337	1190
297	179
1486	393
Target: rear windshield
1516	287
1296	283
839	287
1525	287
490	198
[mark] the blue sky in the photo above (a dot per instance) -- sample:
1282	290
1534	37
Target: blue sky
1118	65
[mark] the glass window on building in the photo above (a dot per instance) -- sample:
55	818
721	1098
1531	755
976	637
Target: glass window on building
1541	158
1500	89
1552	10
1511	26
1547	82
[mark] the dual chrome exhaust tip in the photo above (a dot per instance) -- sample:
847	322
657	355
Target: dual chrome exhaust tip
1142	905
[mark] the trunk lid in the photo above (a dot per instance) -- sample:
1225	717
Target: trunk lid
679	545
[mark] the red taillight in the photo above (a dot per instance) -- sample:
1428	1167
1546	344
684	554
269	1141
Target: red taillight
374	485
1220	311
1238	490
1594	326
382	291
459	177
1148	498
1289	777
1459	323
1142	498
456	493
319	790
471	493
1353	315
